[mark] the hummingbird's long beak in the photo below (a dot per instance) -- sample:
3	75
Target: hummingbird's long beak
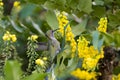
56	29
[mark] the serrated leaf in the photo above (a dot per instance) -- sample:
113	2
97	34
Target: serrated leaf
52	20
78	29
12	70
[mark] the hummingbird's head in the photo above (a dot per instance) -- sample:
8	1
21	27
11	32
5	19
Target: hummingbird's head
50	33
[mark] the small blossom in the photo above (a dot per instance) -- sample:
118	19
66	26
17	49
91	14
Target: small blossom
1	3
84	75
39	62
63	21
89	63
45	58
17	6
16	3
9	37
13	37
33	37
6	37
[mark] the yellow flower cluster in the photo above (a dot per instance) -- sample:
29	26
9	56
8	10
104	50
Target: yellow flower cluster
84	75
9	37
63	21
33	37
114	77
102	25
41	62
89	54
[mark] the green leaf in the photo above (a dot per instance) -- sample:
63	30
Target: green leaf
52	20
12	70
15	26
36	26
2	78
27	10
117	38
99	11
78	29
85	5
36	76
100	43
60	2
95	41
73	4
50	5
107	38
114	19
99	2
62	70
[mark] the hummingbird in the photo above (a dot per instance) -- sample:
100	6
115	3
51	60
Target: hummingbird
53	44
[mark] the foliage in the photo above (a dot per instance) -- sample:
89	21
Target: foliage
85	29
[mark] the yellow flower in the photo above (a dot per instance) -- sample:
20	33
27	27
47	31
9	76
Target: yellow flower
82	47
89	63
6	37
9	37
45	58
13	37
17	6
33	37
119	76
16	3
116	77
63	21
102	25
89	54
39	62
1	3
84	75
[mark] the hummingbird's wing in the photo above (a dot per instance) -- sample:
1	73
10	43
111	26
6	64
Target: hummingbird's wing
42	46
